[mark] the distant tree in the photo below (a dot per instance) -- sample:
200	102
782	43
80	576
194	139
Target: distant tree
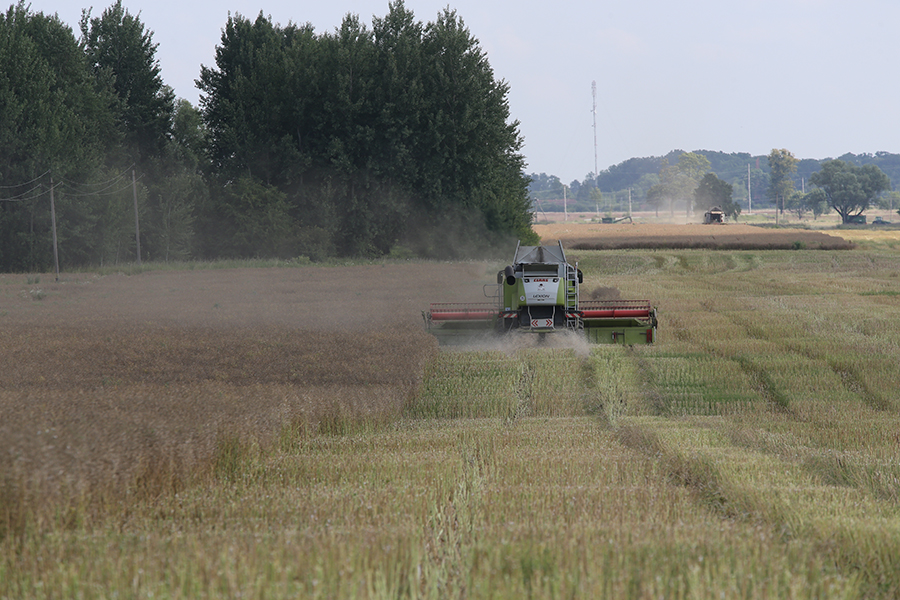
669	187
584	194
796	202
596	196
656	196
678	182
644	183
782	165
543	185
888	201
693	166
813	201
816	202
850	189
713	192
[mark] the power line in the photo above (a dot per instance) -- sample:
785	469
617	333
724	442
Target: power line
118	177
101	192
24	196
70	189
10	187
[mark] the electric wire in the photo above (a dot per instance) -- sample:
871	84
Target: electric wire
101	192
99	183
24	196
11	187
65	186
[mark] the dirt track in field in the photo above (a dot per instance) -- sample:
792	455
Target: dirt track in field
731	236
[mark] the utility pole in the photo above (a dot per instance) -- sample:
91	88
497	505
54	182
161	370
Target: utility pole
749	199
565	204
137	225
53	223
594	111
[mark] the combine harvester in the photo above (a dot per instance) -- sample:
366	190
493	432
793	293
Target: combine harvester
539	294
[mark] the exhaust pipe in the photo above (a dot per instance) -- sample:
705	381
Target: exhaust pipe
510	275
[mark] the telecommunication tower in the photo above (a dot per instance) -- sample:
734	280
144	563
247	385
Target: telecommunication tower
594	111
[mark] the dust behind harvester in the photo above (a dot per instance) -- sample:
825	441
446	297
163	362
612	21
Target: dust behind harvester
539	294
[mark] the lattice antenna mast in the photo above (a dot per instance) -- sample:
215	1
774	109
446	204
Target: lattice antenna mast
594	111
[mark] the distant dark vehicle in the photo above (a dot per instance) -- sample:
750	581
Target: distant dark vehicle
714	215
856	220
880	221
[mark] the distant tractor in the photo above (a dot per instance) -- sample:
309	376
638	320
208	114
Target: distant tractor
714	215
610	220
539	294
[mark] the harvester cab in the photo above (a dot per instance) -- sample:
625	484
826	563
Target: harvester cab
714	215
539	293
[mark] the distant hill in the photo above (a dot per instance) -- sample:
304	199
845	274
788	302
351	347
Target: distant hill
639	174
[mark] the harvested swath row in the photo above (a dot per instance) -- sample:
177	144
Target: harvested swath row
98	415
709	237
808	240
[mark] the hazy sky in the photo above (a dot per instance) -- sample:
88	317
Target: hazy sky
818	77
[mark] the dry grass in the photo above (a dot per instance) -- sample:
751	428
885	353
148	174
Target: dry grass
120	387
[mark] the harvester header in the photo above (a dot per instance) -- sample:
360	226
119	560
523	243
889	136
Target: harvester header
539	293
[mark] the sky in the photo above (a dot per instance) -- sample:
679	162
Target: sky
817	77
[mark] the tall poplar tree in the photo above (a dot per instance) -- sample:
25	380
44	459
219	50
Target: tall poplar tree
119	47
782	165
370	137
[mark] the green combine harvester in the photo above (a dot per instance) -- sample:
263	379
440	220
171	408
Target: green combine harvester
539	294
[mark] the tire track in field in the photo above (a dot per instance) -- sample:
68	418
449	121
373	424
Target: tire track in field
802	488
760	380
851	379
863	543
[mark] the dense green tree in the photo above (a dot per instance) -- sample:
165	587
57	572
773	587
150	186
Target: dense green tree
814	201
55	120
850	189
714	192
369	134
782	165
119	47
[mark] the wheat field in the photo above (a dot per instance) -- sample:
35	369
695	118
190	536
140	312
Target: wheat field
292	432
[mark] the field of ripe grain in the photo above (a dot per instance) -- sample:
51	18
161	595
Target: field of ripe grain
731	236
120	380
292	432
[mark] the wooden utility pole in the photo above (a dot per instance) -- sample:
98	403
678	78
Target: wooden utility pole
137	224
53	223
749	197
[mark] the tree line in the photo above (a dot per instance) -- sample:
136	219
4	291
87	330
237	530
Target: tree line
365	141
697	181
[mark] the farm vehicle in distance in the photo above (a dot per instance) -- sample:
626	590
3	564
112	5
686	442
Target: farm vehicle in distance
714	215
539	294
